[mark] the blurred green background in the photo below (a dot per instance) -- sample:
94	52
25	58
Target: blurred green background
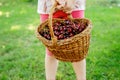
22	54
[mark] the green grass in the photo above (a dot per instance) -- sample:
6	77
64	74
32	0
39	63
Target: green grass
22	54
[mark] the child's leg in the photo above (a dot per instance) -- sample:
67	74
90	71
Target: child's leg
50	61
50	67
79	67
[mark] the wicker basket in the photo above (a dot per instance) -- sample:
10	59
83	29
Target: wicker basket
72	49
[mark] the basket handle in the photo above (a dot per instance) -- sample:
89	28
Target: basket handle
53	37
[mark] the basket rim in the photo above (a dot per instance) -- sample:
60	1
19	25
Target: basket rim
64	41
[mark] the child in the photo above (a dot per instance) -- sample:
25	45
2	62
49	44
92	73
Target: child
77	8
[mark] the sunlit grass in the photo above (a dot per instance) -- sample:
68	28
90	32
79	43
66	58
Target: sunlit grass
1	13
22	54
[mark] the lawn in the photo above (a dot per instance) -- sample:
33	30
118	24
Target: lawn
22	54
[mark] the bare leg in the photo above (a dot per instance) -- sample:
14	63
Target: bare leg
50	67
80	69
50	62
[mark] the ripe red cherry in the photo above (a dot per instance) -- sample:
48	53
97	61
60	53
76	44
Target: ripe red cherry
64	29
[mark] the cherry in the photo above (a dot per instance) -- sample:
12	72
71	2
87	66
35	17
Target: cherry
64	29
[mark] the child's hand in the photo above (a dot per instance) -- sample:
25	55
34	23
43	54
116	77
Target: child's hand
65	5
61	3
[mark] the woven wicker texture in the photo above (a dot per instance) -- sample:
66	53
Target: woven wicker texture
72	49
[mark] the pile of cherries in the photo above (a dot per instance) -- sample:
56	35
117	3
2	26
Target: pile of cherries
64	29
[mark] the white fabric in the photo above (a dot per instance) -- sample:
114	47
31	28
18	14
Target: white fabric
45	5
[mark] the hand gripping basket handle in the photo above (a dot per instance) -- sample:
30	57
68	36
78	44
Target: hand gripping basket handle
53	37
